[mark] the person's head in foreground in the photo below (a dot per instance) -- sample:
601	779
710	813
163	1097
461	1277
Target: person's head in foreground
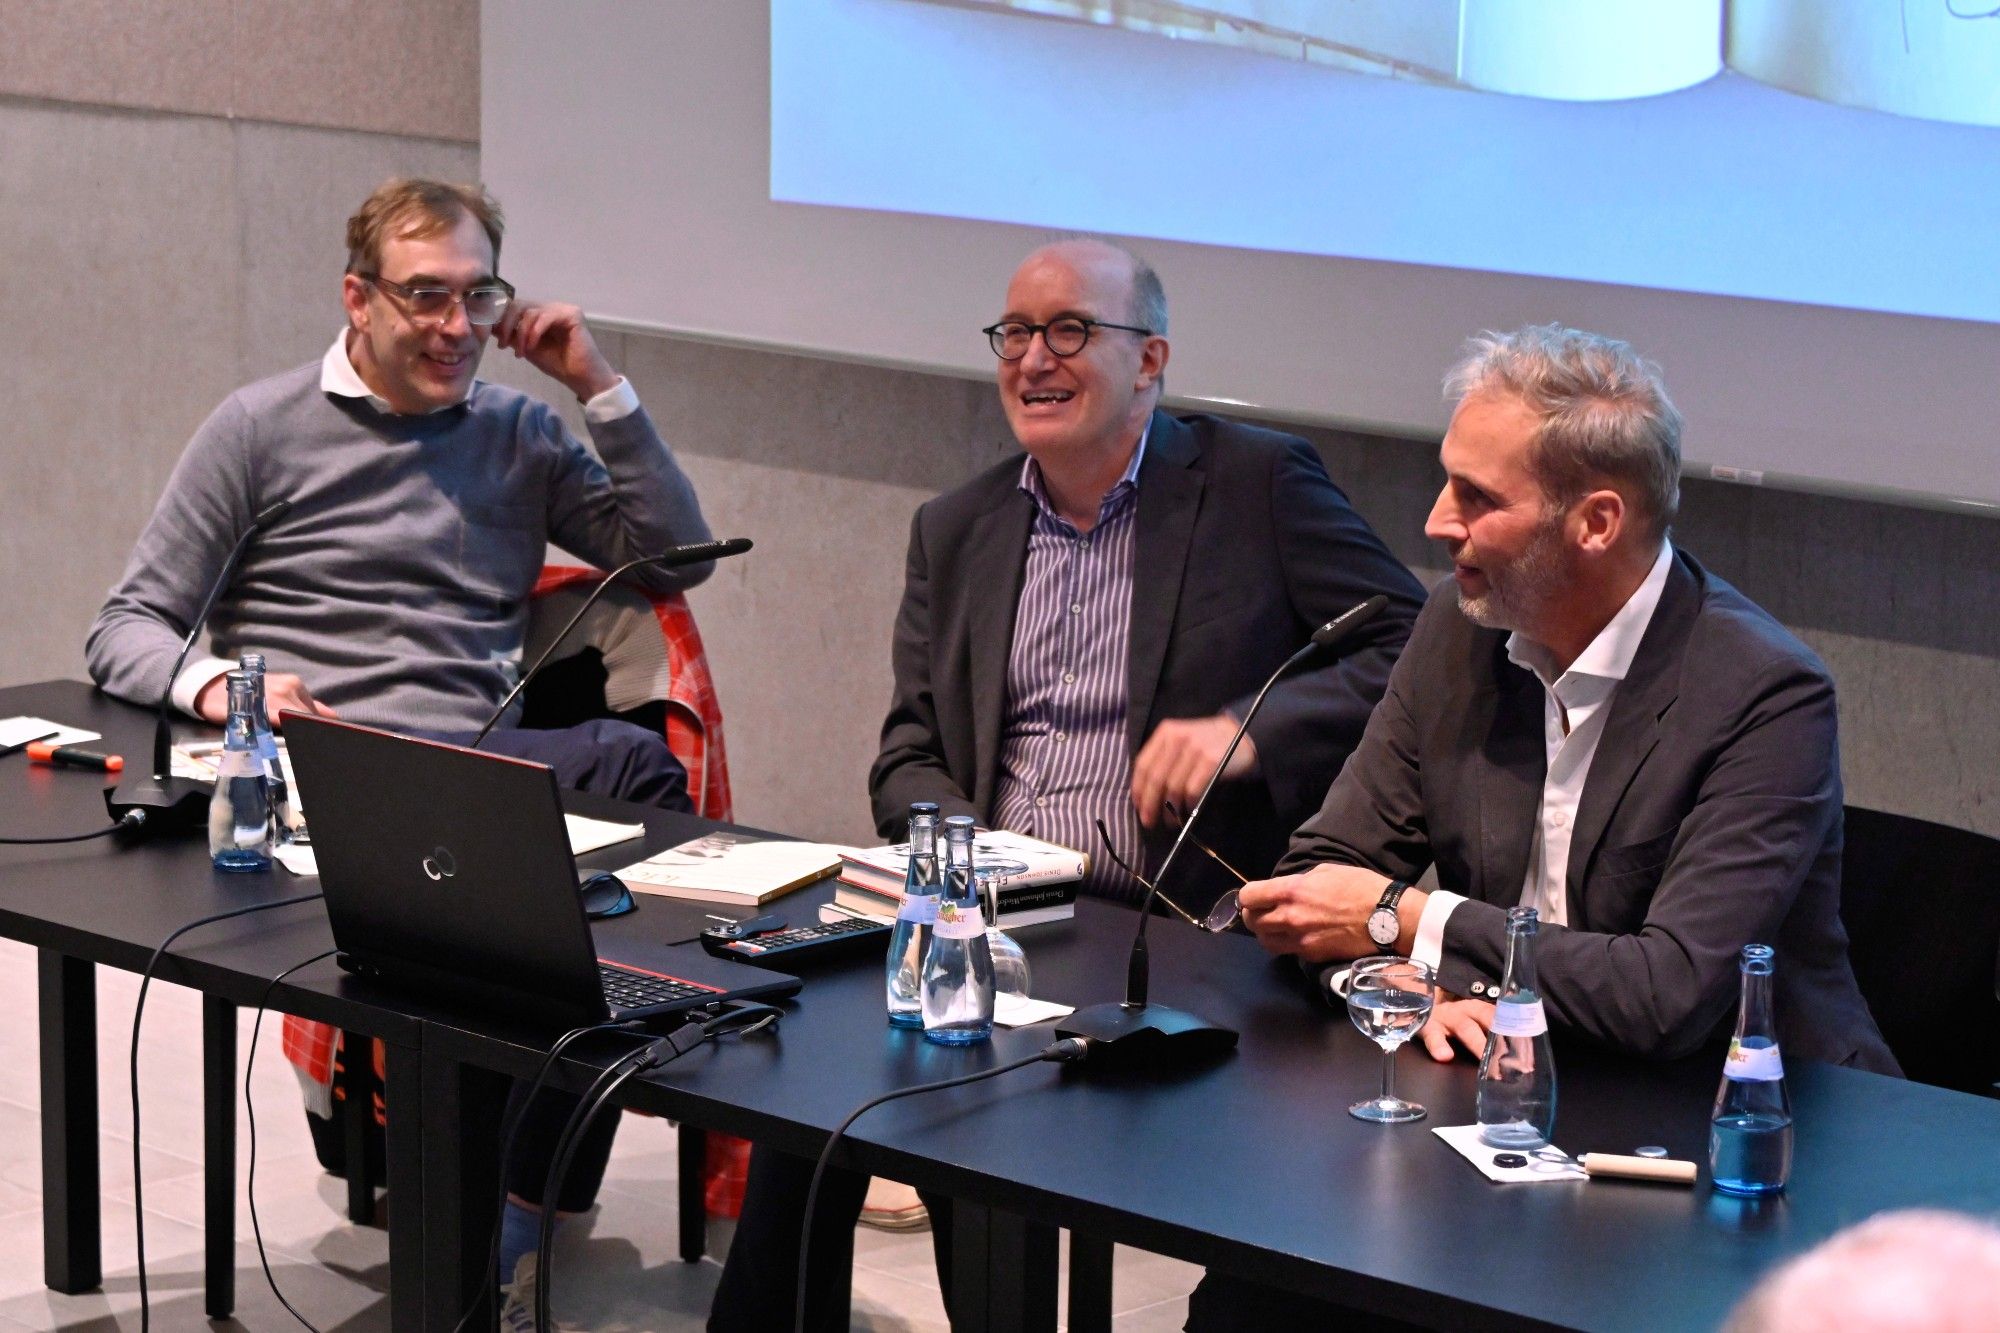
1913	1271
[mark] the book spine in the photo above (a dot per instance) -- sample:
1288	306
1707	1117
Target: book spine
1037	916
1022	897
887	896
1065	872
871	878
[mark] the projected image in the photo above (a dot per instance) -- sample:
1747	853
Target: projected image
1828	152
1935	59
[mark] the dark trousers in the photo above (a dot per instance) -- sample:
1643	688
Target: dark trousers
536	1138
605	757
760	1279
1224	1304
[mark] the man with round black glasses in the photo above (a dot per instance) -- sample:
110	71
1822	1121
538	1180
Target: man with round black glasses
1081	627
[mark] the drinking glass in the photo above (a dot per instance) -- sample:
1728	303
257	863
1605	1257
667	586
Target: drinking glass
1011	975
1389	999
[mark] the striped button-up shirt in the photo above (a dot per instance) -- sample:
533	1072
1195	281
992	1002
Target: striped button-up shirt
1064	763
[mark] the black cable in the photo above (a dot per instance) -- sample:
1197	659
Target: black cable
587	1108
138	1013
740	1020
130	819
491	1279
250	1111
1067	1051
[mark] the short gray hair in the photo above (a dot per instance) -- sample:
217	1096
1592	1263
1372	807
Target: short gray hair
1605	414
1149	296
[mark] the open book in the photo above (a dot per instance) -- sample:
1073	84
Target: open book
1932	59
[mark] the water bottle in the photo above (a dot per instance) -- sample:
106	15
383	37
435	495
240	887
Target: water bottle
1517	1075
1750	1134
267	752
239	814
958	967
912	935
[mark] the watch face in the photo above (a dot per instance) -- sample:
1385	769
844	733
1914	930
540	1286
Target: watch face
1382	926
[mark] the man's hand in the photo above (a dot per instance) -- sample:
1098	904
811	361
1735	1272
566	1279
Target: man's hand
282	691
554	340
1452	1019
1322	915
1174	763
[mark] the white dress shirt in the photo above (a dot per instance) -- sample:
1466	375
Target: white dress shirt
1575	705
337	376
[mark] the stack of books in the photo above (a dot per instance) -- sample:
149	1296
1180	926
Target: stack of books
1035	881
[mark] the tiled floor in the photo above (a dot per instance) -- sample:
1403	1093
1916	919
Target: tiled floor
616	1270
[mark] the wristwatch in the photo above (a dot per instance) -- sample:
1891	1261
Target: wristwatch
1382	924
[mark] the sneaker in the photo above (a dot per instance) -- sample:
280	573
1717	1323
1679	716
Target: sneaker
893	1206
517	1306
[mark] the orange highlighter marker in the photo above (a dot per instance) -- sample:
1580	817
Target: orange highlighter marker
69	756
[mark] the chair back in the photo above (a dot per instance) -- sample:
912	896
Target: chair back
636	658
1921	903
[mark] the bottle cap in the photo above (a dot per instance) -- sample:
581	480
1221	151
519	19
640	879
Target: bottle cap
1650	1150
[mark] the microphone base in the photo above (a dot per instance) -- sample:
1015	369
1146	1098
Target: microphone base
170	804
1147	1036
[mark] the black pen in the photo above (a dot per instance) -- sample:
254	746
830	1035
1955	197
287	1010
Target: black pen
32	740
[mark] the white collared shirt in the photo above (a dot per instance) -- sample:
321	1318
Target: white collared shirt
1575	706
337	376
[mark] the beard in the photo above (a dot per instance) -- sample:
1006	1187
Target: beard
1518	593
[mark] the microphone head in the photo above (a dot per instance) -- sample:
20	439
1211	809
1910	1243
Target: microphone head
697	552
1344	624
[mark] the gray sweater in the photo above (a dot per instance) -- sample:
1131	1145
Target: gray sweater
397	586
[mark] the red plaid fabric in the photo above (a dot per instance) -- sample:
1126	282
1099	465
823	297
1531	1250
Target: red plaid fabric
694	734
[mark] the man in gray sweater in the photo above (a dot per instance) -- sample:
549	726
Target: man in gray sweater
395	592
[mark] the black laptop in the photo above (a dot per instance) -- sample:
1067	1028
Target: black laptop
449	870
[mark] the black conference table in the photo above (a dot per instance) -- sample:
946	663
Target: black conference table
1250	1165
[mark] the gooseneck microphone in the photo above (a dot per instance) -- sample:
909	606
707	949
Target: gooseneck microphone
163	801
673	558
1134	1032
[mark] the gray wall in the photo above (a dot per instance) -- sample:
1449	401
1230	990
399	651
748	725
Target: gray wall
173	178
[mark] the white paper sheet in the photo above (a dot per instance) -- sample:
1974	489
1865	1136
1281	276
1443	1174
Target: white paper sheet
1465	1140
16	730
1016	1011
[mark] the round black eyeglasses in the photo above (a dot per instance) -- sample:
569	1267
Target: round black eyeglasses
1063	337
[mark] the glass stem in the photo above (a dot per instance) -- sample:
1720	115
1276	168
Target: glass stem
1389	1073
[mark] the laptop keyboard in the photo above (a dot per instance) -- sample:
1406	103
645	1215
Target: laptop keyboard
629	988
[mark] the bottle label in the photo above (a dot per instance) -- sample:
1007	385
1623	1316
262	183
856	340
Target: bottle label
919	907
1753	1064
959	921
1519	1018
238	764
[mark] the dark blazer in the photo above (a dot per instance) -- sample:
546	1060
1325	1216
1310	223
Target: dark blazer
1244	546
1711	818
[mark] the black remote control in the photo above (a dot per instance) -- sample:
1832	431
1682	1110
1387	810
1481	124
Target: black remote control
789	948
